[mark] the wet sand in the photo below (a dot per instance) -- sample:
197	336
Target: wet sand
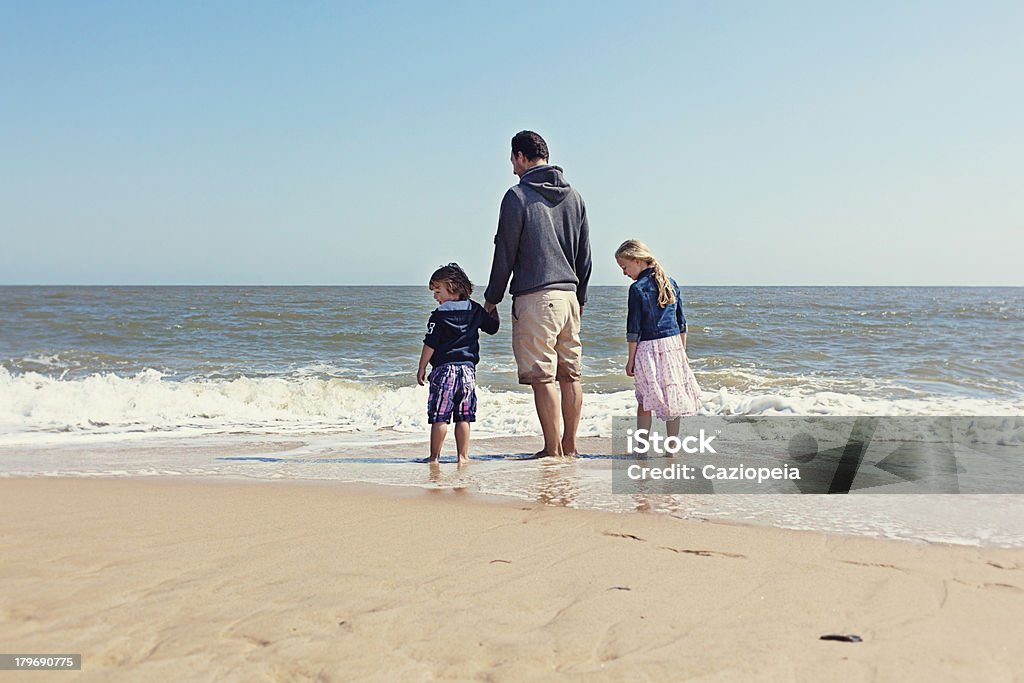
213	581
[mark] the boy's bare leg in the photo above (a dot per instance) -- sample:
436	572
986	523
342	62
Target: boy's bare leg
572	406
462	441
545	400
438	431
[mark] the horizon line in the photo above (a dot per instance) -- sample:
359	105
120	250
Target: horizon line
927	286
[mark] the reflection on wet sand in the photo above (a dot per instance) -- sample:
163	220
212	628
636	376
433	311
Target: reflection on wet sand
456	481
658	503
558	482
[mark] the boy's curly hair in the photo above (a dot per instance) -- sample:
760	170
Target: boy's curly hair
455	278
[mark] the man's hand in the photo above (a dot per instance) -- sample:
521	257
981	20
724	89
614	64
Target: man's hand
489	307
421	376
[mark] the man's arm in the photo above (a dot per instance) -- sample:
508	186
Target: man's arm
583	265
506	247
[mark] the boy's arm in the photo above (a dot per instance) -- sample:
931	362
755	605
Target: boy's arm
421	372
489	322
430	341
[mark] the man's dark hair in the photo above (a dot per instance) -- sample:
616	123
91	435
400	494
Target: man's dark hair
530	144
455	279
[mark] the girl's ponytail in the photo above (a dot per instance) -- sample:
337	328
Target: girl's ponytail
637	250
666	295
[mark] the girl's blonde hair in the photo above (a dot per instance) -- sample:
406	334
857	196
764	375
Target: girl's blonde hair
638	251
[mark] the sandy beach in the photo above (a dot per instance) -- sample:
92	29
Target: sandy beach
212	581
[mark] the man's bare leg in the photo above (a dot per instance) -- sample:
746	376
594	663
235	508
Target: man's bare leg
438	431
462	441
545	400
572	407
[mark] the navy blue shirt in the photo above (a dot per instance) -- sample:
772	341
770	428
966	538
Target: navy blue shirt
646	320
453	331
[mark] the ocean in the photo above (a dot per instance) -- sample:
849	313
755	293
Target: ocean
101	381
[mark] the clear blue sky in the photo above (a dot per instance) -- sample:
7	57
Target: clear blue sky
345	143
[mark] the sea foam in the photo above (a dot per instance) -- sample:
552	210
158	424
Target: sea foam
36	408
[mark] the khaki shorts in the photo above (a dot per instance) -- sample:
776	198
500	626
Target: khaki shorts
546	336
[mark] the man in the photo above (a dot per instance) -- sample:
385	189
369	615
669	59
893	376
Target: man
543	242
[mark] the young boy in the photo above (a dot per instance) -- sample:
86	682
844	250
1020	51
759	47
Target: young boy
452	347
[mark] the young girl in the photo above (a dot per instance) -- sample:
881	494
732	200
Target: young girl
656	333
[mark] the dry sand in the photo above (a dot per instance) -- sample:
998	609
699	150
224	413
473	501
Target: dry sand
212	581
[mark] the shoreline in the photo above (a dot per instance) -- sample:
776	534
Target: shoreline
496	476
205	580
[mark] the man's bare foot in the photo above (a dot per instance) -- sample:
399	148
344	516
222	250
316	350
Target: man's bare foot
463	460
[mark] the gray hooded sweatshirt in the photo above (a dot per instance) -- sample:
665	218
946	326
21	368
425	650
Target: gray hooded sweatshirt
543	239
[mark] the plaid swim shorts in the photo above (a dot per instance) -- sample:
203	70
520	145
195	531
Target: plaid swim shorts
452	393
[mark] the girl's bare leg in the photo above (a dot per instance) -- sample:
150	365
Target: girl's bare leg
672	426
438	431
643	419
462	441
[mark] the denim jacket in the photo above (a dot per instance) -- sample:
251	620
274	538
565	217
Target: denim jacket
645	320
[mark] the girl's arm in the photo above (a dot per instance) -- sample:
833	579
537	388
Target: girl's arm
634	312
425	356
680	318
630	362
634	308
